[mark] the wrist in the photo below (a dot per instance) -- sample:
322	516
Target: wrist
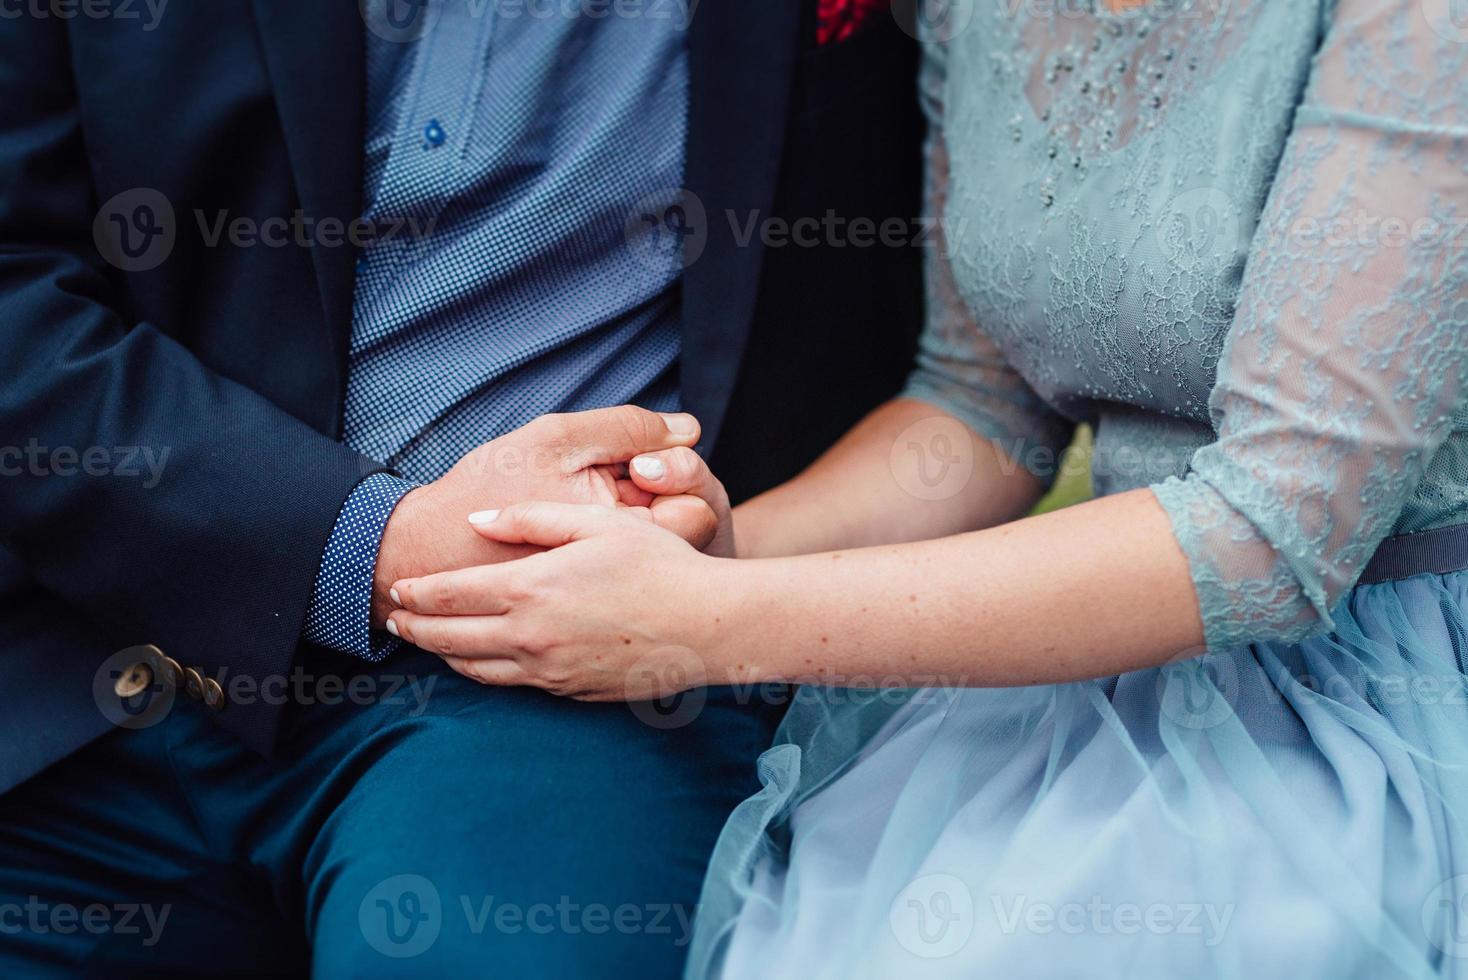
746	531
736	615
396	550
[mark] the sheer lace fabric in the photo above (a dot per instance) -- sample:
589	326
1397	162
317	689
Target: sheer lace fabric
1231	236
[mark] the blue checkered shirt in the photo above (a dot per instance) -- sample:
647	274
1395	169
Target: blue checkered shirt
505	150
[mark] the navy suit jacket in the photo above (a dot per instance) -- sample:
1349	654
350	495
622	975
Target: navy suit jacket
232	360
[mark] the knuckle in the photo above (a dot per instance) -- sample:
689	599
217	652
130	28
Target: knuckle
557	678
526	588
516	642
627	414
526	515
532	643
637	426
686	464
537	643
513	516
471	670
445	598
532	592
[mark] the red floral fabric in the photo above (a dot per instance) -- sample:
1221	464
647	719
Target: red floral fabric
837	20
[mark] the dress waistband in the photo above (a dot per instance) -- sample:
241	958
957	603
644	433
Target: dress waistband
1426	552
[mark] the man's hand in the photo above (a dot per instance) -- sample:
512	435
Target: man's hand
575	458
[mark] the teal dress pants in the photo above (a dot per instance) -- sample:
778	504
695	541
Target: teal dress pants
421	826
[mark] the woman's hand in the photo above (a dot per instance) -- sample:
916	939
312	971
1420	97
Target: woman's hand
671	473
619	610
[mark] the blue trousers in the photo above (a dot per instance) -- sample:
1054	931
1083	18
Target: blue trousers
420	825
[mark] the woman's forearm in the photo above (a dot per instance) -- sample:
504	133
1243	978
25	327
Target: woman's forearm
899	475
1089	591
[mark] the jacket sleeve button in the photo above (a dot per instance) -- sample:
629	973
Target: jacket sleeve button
194	684
213	694
134	680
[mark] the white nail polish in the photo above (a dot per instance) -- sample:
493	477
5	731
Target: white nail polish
483	516
649	467
396	599
393	628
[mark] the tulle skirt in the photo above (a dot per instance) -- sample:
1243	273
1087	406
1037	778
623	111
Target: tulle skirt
1292	811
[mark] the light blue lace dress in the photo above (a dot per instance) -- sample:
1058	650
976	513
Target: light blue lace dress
1230	235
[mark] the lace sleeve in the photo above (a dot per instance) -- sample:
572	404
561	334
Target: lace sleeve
960	369
1345	361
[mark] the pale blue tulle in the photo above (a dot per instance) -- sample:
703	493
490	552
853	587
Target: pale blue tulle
1292	811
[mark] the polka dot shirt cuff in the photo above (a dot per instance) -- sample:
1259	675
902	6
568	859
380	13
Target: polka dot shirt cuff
340	616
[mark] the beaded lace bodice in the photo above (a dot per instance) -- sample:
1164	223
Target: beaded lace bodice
1229	234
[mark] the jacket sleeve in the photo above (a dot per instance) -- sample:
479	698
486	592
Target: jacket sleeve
162	501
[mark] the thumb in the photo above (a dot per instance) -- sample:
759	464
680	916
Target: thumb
548	525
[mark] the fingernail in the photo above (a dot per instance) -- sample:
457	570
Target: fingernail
396	599
681	425
393	628
483	517
649	467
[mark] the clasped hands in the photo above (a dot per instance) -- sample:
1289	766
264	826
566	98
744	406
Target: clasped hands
580	554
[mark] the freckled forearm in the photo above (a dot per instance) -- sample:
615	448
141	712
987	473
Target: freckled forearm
1090	591
863	493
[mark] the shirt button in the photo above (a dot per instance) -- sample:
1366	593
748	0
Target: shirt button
433	135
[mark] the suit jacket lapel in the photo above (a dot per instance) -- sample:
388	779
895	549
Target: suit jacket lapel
741	64
314	51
